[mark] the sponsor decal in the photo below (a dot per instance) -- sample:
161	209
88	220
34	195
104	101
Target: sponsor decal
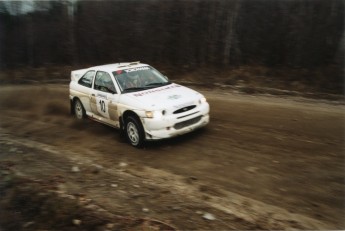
156	90
136	69
171	97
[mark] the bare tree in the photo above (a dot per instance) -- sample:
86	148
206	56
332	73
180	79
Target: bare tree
231	37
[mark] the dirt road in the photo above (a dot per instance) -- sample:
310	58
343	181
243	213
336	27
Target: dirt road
263	162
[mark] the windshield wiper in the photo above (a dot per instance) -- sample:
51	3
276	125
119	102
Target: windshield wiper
131	89
157	84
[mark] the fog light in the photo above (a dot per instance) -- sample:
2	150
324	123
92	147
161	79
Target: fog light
149	114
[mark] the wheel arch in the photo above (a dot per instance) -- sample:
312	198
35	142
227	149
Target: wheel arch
128	113
124	116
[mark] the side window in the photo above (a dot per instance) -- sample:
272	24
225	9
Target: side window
87	78
104	83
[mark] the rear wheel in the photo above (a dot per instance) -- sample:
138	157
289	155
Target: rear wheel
79	110
134	132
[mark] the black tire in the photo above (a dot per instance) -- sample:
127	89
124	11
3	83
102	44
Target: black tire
79	110
134	132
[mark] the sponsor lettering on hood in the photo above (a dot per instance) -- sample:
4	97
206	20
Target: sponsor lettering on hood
138	94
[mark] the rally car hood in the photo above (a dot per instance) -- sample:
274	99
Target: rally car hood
172	96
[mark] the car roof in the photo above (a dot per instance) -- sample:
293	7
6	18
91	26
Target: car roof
117	66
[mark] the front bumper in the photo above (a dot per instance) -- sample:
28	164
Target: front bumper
173	125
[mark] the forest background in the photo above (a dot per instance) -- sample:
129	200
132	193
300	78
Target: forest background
294	45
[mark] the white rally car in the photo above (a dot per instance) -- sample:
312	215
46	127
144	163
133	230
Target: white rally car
137	99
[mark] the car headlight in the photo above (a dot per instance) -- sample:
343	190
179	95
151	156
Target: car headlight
202	100
153	114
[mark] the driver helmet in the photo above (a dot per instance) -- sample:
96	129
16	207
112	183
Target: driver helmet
133	76
108	83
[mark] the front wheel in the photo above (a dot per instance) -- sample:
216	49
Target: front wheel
134	132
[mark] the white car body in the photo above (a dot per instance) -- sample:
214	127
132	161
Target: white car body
163	111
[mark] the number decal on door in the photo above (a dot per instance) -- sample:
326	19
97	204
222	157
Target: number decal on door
102	104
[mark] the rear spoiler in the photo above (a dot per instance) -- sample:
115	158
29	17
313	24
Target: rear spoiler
77	74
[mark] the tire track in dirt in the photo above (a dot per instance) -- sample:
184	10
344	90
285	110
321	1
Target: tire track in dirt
242	208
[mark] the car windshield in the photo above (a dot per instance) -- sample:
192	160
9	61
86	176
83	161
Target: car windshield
139	78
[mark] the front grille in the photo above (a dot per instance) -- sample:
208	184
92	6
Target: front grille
184	109
187	115
187	123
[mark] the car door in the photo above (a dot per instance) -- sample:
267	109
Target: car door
104	99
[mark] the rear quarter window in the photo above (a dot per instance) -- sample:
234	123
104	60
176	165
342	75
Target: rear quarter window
87	79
